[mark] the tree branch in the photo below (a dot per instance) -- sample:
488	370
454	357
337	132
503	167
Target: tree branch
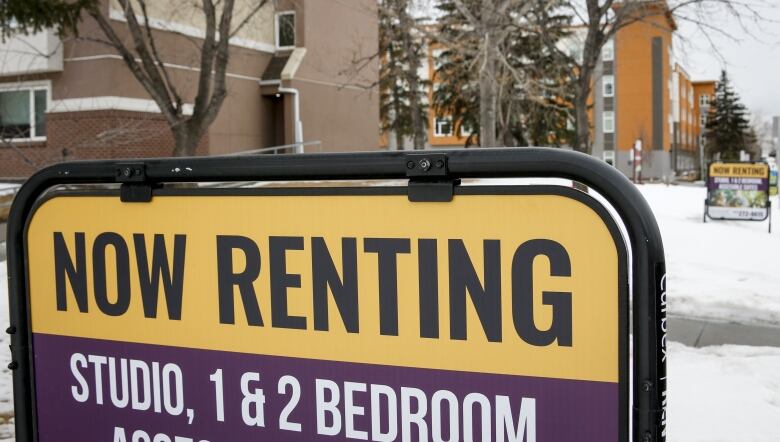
173	93
138	72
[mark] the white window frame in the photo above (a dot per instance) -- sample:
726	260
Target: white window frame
277	29
605	117
436	132
704	100
465	131
608	156
608	50
30	86
607	80
703	120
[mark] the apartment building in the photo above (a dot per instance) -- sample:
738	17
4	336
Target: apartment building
685	124
642	97
291	81
633	94
645	99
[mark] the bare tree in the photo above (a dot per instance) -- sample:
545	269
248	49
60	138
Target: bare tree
496	69
490	21
413	47
401	48
603	19
142	57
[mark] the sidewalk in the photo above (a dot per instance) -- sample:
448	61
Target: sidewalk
703	333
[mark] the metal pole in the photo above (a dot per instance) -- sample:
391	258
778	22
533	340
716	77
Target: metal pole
298	128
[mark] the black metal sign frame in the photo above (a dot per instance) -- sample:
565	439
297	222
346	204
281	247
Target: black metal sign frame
433	176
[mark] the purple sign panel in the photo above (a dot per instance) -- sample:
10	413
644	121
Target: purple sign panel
114	391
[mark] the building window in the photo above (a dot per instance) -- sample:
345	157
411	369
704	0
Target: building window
465	130
704	100
703	120
609	122
443	127
609	85
608	51
23	113
285	30
609	157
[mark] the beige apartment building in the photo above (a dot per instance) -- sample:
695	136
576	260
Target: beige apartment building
292	79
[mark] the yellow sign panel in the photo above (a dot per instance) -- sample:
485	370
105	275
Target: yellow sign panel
512	298
739	170
293	235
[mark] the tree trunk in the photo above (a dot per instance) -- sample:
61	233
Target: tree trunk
418	127
591	51
487	97
581	118
399	136
187	139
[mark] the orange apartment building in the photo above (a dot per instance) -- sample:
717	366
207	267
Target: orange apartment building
641	96
644	98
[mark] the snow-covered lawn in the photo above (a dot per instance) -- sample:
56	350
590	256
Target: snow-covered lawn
726	393
727	270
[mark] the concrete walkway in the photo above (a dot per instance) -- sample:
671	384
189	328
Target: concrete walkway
702	333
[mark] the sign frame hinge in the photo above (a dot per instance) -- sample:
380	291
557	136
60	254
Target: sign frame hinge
135	187
429	179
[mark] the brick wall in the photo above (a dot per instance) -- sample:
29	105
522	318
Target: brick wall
91	135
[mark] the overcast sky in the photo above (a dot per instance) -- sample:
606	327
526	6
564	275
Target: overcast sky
752	62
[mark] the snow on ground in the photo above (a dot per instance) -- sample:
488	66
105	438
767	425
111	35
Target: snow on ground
727	270
6	188
723	394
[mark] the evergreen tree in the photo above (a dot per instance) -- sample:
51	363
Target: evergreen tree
27	16
544	92
455	81
533	82
403	94
728	129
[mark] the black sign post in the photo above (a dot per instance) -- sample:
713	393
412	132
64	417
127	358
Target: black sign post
433	177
